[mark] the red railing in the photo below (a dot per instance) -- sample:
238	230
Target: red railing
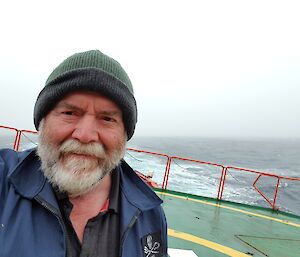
223	175
16	141
169	159
260	174
18	135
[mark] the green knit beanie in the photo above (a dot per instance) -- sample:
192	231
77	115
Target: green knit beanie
89	71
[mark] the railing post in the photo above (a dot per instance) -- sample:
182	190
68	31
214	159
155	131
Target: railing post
275	194
17	140
166	176
221	183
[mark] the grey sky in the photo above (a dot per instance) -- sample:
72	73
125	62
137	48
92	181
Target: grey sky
199	68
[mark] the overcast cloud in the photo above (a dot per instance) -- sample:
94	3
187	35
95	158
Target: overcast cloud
199	68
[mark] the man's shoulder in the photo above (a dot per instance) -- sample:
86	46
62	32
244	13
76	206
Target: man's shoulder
7	153
10	158
10	155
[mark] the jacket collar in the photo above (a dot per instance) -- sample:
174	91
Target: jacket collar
29	181
27	178
137	192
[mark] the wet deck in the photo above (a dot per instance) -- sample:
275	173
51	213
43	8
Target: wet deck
223	229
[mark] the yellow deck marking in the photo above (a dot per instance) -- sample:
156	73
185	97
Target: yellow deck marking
286	222
217	247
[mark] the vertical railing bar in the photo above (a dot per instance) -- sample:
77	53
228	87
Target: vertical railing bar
276	193
17	141
221	181
167	172
223	184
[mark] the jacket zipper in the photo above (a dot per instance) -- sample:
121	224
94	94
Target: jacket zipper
130	225
56	214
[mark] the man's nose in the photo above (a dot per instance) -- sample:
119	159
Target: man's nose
86	130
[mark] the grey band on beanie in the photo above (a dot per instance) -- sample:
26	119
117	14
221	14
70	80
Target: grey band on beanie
89	71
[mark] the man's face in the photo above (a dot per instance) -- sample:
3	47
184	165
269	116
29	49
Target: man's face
81	140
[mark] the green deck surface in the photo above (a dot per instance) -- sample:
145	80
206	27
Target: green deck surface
245	230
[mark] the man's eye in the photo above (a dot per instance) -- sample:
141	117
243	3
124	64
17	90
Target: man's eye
68	113
108	118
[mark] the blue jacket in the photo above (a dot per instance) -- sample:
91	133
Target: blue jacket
31	224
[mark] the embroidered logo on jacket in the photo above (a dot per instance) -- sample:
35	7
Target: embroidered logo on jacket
152	245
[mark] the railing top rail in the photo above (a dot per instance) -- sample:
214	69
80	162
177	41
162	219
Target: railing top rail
10	128
28	131
148	152
263	173
198	161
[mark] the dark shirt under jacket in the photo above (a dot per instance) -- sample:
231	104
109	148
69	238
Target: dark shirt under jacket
101	234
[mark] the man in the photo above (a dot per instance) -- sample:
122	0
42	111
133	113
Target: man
75	195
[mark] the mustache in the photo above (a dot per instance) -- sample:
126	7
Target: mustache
74	146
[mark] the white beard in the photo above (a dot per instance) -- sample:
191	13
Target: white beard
76	174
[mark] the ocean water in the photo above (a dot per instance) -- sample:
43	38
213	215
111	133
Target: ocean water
272	156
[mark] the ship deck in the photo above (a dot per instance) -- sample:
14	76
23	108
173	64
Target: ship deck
218	228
